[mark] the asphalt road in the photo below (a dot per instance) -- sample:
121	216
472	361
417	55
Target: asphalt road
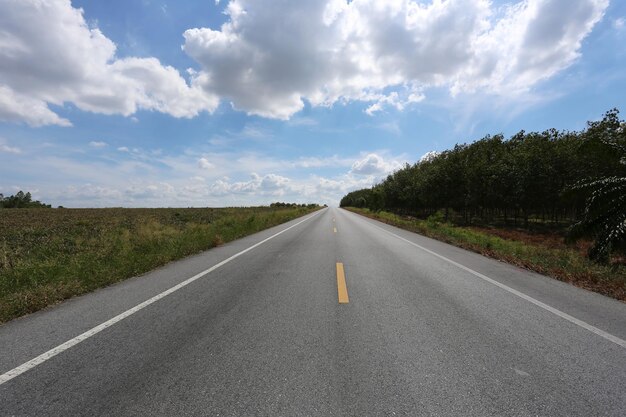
419	328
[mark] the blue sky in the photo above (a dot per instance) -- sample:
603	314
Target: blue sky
200	103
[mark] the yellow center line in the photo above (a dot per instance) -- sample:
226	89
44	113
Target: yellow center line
335	229
342	289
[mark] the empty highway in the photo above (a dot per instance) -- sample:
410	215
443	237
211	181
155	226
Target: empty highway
332	314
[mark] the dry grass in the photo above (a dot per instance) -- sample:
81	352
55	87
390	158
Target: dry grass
546	254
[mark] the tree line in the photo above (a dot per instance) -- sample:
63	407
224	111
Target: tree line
281	204
21	200
536	177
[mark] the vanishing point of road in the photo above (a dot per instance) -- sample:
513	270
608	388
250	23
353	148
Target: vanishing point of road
332	314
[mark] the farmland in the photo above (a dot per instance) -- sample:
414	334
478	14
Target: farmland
48	255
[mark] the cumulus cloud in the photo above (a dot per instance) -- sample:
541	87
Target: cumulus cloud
20	107
50	55
272	56
98	144
373	164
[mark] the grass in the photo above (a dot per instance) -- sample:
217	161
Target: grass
48	255
545	254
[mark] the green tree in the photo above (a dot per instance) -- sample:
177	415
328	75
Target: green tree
21	200
605	207
604	217
494	179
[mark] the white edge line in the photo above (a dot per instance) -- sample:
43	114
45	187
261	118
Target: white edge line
91	332
578	322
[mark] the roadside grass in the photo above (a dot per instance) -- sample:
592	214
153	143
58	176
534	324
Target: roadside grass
48	255
548	256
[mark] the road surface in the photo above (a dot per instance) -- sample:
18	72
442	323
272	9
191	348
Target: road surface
332	314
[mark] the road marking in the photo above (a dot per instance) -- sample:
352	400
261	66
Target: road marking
335	229
342	288
571	319
89	333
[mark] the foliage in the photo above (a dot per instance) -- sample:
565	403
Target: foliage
280	204
519	181
605	205
605	215
49	255
20	200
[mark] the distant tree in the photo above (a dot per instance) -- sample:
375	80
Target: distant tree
21	200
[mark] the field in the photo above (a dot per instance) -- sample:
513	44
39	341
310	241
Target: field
543	253
48	255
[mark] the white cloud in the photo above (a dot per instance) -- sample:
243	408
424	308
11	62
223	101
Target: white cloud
143	178
533	41
253	132
315	162
123	149
394	100
205	164
136	194
428	156
270	56
619	23
50	55
92	193
270	184
273	182
21	107
303	121
98	144
161	190
374	164
331	190
4	147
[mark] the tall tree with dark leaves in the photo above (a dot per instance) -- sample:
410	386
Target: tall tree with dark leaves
605	210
